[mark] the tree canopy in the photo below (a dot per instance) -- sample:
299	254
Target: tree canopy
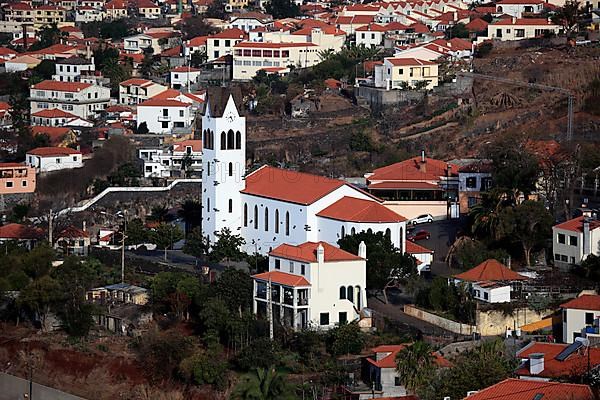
282	9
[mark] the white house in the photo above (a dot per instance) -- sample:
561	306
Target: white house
136	90
221	44
272	206
575	239
21	63
313	284
81	99
370	35
423	255
71	69
157	41
178	160
52	117
168	111
395	73
86	14
45	159
519	29
579	314
183	76
250	20
516	8
490	281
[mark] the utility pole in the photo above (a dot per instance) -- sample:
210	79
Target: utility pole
123	248
270	308
50	227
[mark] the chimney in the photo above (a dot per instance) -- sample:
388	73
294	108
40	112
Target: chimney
320	254
587	243
514	20
536	363
84	226
362	250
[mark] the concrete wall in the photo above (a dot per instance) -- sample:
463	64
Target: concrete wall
452	326
14	388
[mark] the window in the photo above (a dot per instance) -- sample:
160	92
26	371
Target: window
353	231
230	169
164	124
561	238
230	140
208	204
24	183
589	318
350	293
181	113
302	269
227	43
485	296
276	221
245	214
573	240
343	232
397	381
287	223
342	293
564	258
255	217
557	257
343	318
58	160
471	182
564	315
324	318
9	184
266	219
223	141
230	205
176	76
520	33
238	140
291	267
216	43
75	158
277	264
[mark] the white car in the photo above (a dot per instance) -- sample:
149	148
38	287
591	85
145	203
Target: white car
421	219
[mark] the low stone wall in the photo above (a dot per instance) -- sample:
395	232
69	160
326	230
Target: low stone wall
8	201
449	325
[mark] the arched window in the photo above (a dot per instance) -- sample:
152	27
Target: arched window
388	233
353	231
211	139
238	140
287	223
230	140
223	141
266	218
208	168
255	217
230	205
204	142
230	168
208	204
358	303
343	233
276	221
245	214
342	293
350	293
499	9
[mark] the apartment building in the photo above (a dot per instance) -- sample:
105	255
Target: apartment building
147	9
179	160
222	43
71	69
116	9
157	41
85	14
38	16
16	178
183	76
81	99
516	8
401	73
168	111
251	57
134	91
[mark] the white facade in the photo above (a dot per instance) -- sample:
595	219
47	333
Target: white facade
517	8
575	321
368	37
394	73
71	71
135	91
249	23
333	291
89	14
491	292
162	116
221	44
81	99
184	76
519	29
574	240
167	163
53	162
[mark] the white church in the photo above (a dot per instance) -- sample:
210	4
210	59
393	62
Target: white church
272	206
296	219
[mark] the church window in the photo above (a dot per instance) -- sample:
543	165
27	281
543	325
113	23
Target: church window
230	169
238	140
208	204
245	214
276	221
287	223
230	140
208	168
255	217
343	233
230	205
350	293
204	142
342	292
266	219
223	141
211	139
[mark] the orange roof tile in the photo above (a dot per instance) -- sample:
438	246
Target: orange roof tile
282	278
490	270
360	210
585	302
523	21
52	151
61	86
232	33
269	45
575	365
389	361
195	143
307	252
413	248
197	41
183	68
55	133
53	113
18	231
576	224
287	185
73	232
521	389
160	102
477	25
401	62
136	82
412	170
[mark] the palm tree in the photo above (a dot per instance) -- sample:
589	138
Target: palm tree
191	212
262	384
486	215
415	365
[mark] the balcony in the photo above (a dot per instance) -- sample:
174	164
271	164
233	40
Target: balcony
164	118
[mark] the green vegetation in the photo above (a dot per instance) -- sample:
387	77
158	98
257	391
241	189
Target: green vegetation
282	9
415	364
448	300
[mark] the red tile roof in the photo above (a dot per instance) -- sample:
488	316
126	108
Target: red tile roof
18	231
181	146
291	186
454	44
490	270
55	133
477	25
12	165
269	45
53	113
413	248
520	2
307	252
73	232
160	102
576	224
146	4
575	365
523	21
136	82
521	389
389	361
232	33
401	62
52	151
372	28
185	69
61	86
585	302
282	278
360	210
405	185
412	170
197	41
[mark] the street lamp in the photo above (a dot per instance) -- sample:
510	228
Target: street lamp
121	214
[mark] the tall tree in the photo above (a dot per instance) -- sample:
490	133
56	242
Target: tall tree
227	247
263	384
415	365
195	26
164	235
191	212
195	243
568	16
48	36
235	288
136	232
40	296
216	9
282	9
515	169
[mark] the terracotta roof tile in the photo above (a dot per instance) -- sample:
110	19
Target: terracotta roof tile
282	278
232	33
18	231
401	62
61	86
574	366
73	232
360	210
52	151
181	146
490	270
576	224
53	113
585	302
520	389
307	252
412	170
413	248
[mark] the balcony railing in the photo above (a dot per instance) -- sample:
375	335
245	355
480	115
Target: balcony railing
302	302
165	118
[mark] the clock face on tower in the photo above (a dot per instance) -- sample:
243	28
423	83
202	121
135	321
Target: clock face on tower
230	117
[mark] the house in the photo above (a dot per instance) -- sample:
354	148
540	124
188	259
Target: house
147	9
7	54
517	8
45	159
423	255
272	206
222	43
71	69
16	178
73	241
52	117
370	35
519	29
574	240
474	179
454	49
195	44
23	235
39	16
5	116
249	21
157	41
403	73
491	281
21	63
136	90
168	111
251	57
419	185
556	361
518	389
381	373
116	9
84	100
85	14
579	316
313	284
184	76
58	136
125	319
179	160
119	293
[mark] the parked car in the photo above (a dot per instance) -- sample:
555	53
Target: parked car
421	219
418	235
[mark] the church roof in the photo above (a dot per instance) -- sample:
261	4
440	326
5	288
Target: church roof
360	210
217	99
307	252
290	186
